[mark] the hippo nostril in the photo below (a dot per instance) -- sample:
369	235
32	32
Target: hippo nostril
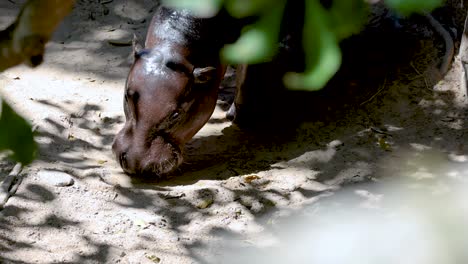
123	160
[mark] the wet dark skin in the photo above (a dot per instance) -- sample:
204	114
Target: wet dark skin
170	93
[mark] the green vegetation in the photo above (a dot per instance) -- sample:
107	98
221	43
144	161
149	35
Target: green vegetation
324	28
16	135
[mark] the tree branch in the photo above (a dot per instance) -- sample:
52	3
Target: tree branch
25	39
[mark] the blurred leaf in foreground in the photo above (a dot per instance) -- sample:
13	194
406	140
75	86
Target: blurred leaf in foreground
322	52
16	135
407	7
244	8
347	17
259	41
323	30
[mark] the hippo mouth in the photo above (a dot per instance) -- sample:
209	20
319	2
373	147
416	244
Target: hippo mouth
157	159
163	157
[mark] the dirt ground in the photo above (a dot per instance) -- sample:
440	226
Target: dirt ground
389	113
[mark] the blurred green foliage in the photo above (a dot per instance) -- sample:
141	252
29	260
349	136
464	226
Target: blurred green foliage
16	135
407	7
320	66
323	29
258	41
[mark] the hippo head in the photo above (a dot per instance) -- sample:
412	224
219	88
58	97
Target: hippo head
167	100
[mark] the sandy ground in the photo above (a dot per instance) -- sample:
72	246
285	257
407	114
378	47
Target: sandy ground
74	205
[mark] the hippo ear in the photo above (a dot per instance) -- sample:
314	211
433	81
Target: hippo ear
137	47
204	75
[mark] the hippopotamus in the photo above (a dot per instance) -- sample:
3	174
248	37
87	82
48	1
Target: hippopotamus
171	89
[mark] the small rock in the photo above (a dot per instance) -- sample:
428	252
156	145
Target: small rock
204	203
206	198
458	158
120	42
153	258
250	178
113	178
55	178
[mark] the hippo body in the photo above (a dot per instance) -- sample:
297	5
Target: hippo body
171	89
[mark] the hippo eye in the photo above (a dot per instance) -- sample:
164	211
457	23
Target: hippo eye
175	115
175	66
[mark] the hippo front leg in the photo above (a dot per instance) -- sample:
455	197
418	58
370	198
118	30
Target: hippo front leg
241	72
258	91
231	112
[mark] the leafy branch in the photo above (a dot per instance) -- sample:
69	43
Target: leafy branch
323	29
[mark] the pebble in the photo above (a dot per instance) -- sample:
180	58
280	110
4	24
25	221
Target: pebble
458	158
55	178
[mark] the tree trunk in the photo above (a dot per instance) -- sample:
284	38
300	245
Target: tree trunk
463	55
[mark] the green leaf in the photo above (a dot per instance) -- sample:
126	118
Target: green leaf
407	7
259	41
347	17
243	8
16	135
201	8
322	52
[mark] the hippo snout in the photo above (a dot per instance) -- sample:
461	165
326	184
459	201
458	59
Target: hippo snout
155	160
